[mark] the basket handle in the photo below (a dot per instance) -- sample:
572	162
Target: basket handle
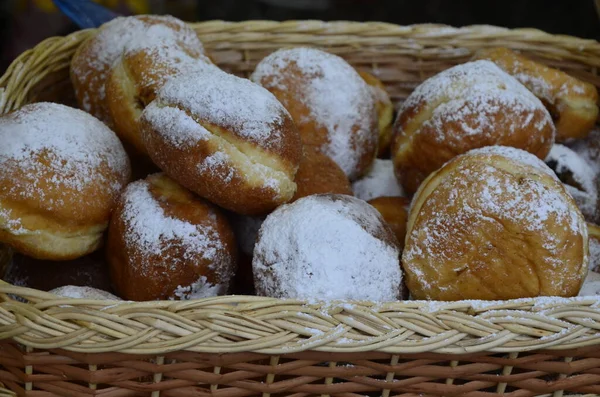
85	13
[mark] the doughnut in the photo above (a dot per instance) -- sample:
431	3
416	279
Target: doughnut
319	174
332	106
94	58
379	181
61	173
394	211
138	74
327	247
571	102
494	223
77	292
579	178
88	271
385	112
224	138
166	243
468	106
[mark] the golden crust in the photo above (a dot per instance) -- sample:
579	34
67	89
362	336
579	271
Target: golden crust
141	275
385	112
469	106
572	102
394	211
318	174
489	226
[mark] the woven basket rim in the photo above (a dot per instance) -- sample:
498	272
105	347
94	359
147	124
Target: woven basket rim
273	326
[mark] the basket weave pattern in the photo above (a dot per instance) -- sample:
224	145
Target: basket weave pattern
245	346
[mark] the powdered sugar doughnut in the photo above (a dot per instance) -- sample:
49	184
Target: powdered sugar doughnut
327	247
330	103
147	63
494	223
224	138
93	59
579	178
166	243
61	172
319	174
379	181
75	292
472	105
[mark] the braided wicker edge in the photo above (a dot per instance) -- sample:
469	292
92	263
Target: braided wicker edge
264	325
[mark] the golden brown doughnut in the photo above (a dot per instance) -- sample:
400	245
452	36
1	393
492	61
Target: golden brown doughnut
472	105
93	59
224	138
166	243
61	173
494	223
385	112
394	211
318	174
138	74
330	103
572	102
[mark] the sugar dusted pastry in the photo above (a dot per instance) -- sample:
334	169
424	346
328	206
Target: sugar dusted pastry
468	106
224	138
92	62
494	223
61	173
327	247
572	102
166	243
330	103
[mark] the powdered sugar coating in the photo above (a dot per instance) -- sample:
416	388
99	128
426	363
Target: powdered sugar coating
578	176
336	97
75	292
150	230
327	247
108	45
225	100
480	208
199	289
480	89
77	149
379	181
588	148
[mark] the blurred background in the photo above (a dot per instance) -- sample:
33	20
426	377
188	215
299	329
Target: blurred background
24	23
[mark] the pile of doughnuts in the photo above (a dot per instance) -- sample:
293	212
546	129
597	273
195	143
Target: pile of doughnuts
177	180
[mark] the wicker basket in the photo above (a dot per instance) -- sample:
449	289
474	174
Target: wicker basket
238	346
